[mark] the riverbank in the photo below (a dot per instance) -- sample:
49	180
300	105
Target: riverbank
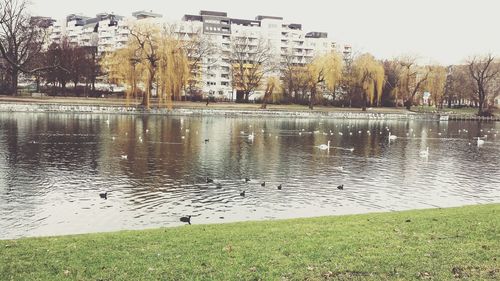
438	244
118	106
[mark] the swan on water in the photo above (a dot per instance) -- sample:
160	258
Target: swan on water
392	137
424	153
324	146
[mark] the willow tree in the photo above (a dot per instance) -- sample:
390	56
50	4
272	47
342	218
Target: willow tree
333	63
173	67
155	58
273	88
436	84
390	91
124	67
368	75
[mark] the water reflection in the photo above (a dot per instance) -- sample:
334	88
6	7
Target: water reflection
53	166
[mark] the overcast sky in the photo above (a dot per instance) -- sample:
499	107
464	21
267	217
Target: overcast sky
444	31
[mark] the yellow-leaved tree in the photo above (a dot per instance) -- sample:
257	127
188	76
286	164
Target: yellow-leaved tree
436	83
325	71
333	71
368	75
123	67
173	67
412	78
272	91
154	59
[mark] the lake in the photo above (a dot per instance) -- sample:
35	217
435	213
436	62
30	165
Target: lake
154	168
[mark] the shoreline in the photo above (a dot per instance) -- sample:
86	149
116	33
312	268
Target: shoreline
199	109
154	227
97	106
440	243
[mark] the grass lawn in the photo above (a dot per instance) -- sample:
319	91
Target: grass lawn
438	244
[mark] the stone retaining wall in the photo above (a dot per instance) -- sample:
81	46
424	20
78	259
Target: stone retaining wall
96	109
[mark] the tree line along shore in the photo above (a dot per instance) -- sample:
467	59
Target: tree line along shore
157	63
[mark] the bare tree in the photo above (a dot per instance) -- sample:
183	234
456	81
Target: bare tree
290	75
62	55
316	78
21	39
252	60
459	86
272	86
92	69
197	47
484	71
413	79
145	38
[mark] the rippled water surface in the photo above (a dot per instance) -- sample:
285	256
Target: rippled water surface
53	167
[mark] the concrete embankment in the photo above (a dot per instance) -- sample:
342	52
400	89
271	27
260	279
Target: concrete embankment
113	109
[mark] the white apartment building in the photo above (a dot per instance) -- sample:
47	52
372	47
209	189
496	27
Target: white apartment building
107	32
286	39
110	32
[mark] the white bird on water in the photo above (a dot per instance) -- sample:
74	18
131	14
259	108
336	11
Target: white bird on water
251	136
392	137
424	153
124	157
479	141
325	146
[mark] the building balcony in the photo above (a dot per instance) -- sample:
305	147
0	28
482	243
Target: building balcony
105	35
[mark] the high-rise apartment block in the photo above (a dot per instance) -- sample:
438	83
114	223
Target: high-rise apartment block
288	41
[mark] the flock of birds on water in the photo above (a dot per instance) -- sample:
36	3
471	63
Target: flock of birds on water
251	136
187	219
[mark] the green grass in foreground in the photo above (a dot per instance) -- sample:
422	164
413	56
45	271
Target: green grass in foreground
440	244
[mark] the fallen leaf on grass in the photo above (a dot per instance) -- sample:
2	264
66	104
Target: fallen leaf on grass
425	275
328	274
228	248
